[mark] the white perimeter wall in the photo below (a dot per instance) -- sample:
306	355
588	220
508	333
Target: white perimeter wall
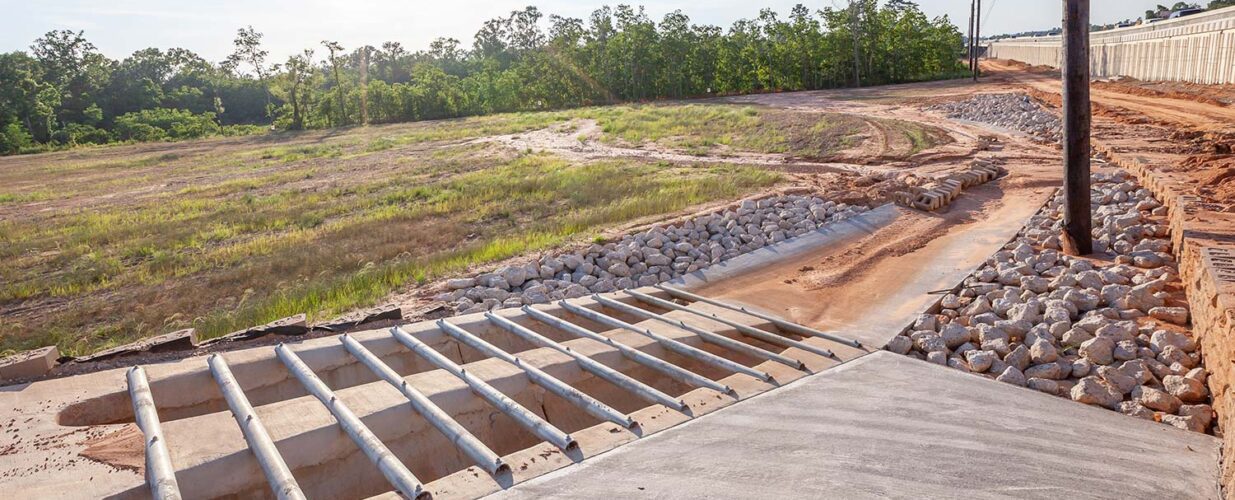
1199	49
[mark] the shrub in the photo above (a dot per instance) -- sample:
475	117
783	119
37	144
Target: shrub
74	134
159	123
13	139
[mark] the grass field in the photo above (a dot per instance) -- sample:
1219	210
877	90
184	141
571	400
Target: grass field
103	246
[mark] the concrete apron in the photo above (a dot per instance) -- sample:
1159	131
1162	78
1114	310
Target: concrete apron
890	426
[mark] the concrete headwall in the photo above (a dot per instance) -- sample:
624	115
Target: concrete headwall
1199	49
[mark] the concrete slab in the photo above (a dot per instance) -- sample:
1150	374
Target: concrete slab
890	426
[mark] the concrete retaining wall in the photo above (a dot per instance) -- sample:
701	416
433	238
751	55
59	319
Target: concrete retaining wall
1199	49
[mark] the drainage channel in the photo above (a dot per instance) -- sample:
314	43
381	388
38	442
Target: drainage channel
657	348
1108	330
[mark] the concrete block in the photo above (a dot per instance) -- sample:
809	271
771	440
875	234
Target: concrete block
29	364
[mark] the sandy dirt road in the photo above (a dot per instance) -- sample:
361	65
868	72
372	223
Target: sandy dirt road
1203	115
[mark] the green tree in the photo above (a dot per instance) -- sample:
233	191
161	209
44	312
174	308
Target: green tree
248	50
340	104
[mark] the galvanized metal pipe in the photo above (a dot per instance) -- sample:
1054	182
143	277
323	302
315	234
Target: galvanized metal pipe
531	421
160	473
780	323
550	383
462	439
592	366
710	337
381	456
676	372
670	344
281	480
743	329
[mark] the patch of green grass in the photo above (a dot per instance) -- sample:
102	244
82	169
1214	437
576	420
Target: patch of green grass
244	250
701	129
26	197
298	153
539	188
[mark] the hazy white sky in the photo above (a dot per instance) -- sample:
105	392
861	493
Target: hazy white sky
119	27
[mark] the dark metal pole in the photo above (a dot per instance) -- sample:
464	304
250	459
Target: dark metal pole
977	35
969	52
1077	219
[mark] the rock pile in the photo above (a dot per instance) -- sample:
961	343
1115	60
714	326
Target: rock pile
646	258
1011	111
1106	334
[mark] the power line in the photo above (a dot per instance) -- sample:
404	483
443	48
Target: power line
989	10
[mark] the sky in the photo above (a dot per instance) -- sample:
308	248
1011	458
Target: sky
120	27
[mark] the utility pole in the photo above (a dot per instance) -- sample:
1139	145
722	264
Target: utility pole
1077	219
977	35
857	72
969	44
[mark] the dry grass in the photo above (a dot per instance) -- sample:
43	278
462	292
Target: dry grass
106	245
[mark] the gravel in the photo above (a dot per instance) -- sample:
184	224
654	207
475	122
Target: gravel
1101	332
657	255
1011	111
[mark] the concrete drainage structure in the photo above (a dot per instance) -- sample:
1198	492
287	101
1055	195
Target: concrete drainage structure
453	408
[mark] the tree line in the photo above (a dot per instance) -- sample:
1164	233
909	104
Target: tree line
63	92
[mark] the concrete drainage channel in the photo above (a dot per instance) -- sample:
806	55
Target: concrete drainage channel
1108	333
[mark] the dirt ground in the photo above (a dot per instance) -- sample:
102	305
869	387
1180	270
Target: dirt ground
1192	127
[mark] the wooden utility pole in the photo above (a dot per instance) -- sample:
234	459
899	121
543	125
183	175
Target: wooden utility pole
977	35
969	46
1078	221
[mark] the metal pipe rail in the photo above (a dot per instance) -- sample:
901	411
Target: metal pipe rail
676	372
531	421
743	329
647	392
671	344
381	456
281	480
710	337
780	323
160	473
462	439
550	383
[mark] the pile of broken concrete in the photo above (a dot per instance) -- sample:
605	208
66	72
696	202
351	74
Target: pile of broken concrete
648	257
1107	332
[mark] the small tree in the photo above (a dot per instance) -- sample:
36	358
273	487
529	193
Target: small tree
341	109
249	50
